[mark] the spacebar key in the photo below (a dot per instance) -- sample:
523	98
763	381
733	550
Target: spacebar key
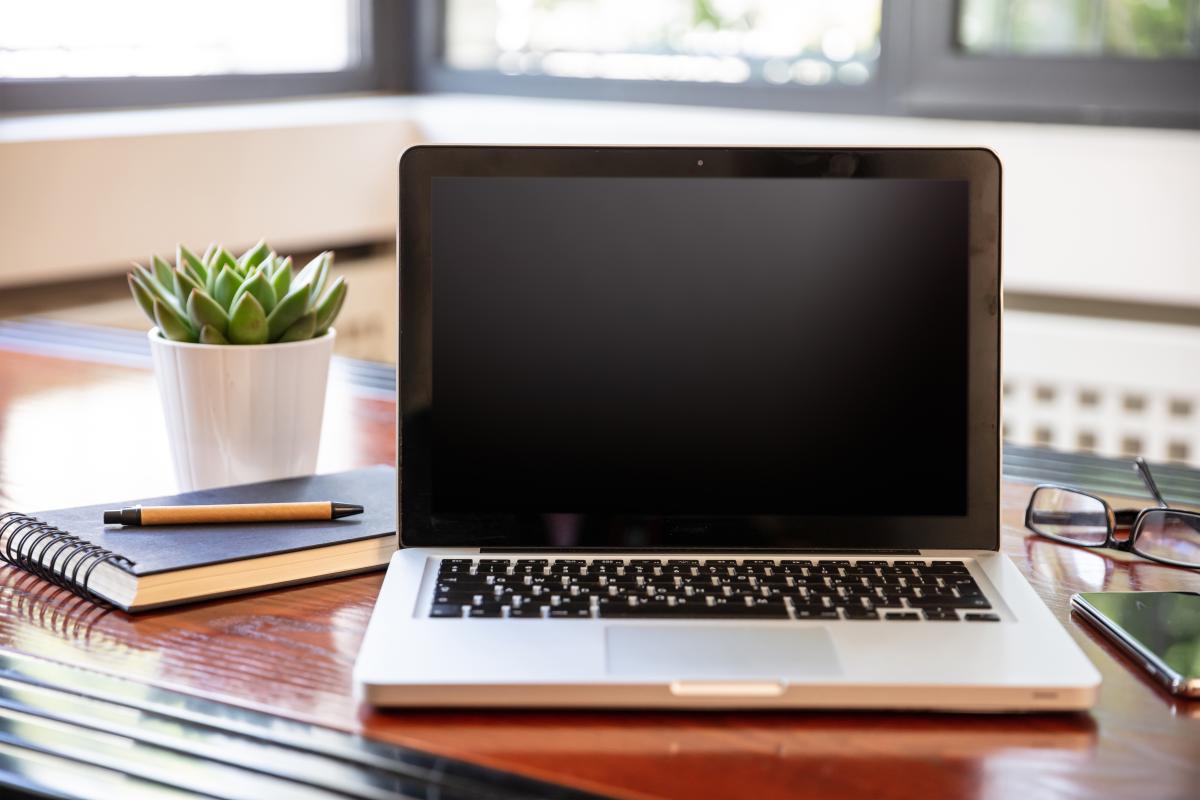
697	611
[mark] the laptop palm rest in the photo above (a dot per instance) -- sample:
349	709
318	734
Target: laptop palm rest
718	652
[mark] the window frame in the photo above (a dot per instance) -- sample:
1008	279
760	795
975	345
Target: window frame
922	71
431	74
381	67
943	80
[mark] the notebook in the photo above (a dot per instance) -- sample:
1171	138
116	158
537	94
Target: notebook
137	569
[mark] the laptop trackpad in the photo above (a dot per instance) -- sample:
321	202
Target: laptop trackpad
718	651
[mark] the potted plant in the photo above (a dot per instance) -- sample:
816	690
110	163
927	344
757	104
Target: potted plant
241	350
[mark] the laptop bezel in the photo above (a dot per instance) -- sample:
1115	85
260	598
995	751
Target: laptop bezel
978	529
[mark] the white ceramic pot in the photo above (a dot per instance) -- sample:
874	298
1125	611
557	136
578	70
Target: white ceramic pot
242	413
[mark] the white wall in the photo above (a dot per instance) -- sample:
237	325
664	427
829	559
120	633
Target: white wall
1089	211
84	195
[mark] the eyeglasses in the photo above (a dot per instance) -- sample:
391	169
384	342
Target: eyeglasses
1164	534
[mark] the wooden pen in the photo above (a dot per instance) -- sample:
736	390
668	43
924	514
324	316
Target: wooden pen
235	512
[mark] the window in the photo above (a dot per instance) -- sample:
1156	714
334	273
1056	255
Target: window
1111	61
1044	393
121	38
82	53
1120	28
806	42
1180	407
1134	402
1102	61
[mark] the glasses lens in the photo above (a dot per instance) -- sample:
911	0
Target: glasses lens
1068	515
1170	536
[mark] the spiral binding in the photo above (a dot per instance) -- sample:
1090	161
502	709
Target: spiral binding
53	554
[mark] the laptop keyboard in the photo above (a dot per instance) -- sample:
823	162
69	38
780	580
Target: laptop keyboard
753	588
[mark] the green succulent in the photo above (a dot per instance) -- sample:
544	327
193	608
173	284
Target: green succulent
254	299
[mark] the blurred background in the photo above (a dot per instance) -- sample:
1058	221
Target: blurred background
129	125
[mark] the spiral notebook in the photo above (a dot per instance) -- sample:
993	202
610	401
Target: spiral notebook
137	569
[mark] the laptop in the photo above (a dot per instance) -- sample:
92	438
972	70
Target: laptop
705	427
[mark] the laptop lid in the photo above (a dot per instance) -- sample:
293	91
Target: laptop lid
716	348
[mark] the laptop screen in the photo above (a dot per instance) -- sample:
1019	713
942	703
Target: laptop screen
699	346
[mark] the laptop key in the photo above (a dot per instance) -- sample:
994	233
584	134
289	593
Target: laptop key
860	612
663	610
976	617
948	602
941	615
569	612
456	598
816	613
445	610
485	610
958	569
902	615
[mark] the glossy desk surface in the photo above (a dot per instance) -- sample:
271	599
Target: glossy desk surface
66	426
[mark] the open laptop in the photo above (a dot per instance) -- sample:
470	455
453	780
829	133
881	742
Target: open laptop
705	427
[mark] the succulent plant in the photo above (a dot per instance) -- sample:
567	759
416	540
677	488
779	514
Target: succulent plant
254	299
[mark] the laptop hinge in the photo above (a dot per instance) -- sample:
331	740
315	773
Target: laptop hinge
906	551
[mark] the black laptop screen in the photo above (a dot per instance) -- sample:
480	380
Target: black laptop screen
706	346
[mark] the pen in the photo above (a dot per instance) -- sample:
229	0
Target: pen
238	512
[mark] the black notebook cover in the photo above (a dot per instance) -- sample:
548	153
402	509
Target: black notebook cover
166	548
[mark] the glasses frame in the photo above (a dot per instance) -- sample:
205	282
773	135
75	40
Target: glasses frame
1127	517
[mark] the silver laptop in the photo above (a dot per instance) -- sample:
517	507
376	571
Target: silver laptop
705	428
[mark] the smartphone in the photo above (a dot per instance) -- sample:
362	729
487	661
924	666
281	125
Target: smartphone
1159	630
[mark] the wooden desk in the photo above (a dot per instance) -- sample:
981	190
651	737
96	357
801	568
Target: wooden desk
65	423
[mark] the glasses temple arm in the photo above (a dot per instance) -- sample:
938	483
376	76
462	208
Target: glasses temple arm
1143	470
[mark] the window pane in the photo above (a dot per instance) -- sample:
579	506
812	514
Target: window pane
807	42
118	38
1123	28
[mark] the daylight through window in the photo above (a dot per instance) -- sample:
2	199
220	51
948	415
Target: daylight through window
798	42
124	38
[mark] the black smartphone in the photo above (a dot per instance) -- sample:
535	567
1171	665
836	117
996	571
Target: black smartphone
1159	630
